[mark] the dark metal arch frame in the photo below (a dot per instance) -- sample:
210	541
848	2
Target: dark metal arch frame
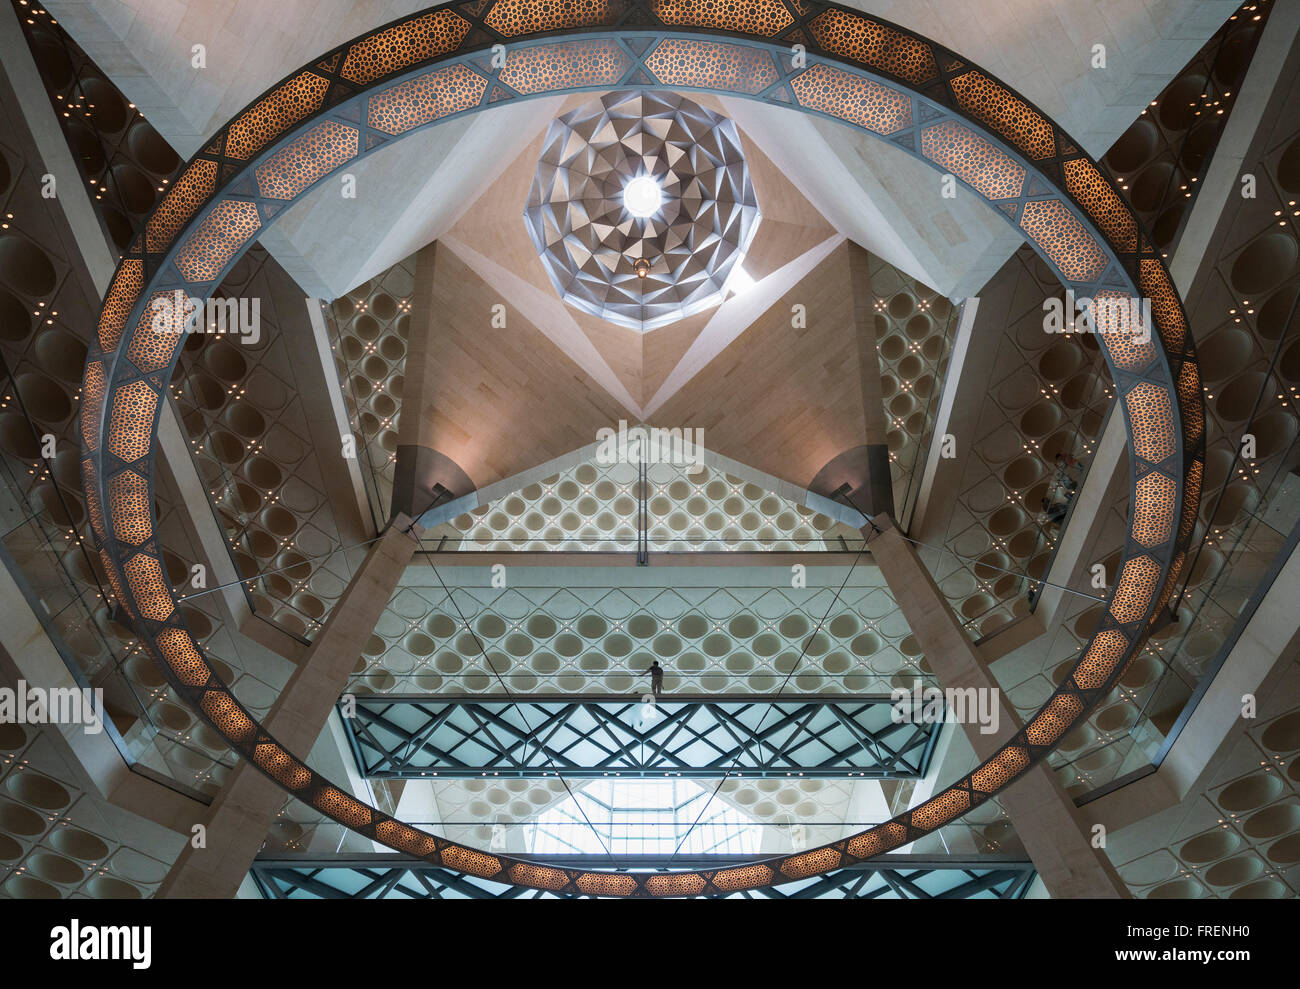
820	58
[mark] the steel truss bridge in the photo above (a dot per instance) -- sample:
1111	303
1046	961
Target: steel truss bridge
889	877
590	737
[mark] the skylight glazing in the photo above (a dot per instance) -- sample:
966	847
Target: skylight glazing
643	818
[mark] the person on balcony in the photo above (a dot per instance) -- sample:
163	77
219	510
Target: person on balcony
656	678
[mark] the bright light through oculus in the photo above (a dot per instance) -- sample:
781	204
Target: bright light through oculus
740	280
643	196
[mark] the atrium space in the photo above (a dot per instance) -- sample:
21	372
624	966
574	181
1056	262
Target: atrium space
649	449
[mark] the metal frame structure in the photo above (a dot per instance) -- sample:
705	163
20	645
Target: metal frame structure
818	58
893	877
595	737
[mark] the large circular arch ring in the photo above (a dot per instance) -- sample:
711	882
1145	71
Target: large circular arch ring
458	59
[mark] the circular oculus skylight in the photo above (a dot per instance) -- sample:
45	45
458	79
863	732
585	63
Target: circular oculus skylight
643	196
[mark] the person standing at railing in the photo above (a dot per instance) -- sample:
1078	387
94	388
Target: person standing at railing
1054	510
656	678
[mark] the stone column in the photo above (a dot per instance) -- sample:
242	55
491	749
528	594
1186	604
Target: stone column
239	818
1045	818
422	474
864	468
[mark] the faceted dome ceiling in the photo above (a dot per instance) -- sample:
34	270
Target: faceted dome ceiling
590	241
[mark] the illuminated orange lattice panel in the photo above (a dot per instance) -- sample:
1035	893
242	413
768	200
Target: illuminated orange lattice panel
167	315
742	877
160	331
853	98
281	766
941	809
128	280
183	657
423	100
853	36
404	45
1157	286
92	404
405	837
1099	661
1191	498
1117	316
1054	720
604	884
182	201
565	65
217	240
231	720
149	587
690	62
131	429
1189	402
469	860
540	876
1153	509
676	884
1064	239
1135	589
128	499
1101	202
1001	769
1151	421
271	116
1009	117
811	863
306	159
762	17
512	18
341	806
957	149
90	487
877	841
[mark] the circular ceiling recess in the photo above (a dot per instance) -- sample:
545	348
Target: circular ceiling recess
641	177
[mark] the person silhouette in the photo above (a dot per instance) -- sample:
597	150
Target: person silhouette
656	678
1054	511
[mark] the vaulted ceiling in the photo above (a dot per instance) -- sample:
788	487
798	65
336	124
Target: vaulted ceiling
415	192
